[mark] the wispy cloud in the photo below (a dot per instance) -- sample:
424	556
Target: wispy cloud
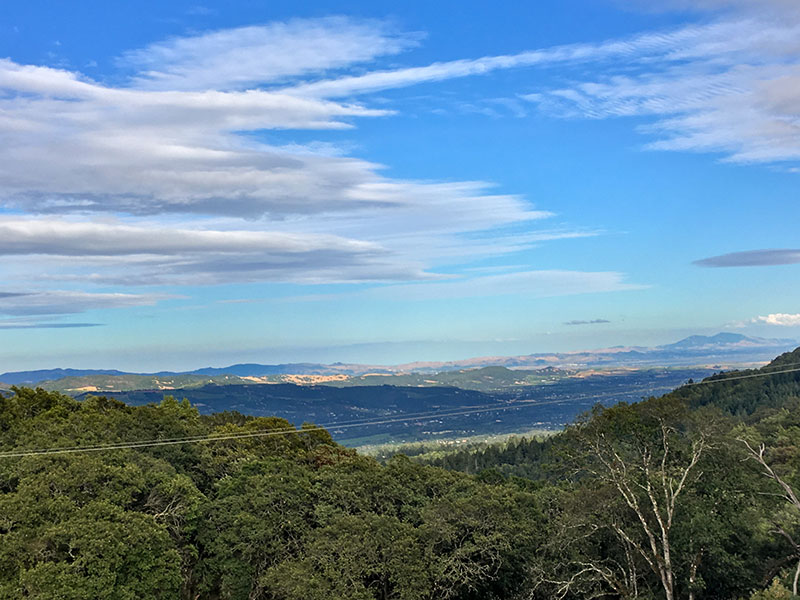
730	86
592	322
97	252
630	48
64	302
201	11
66	238
524	284
147	253
732	91
753	258
245	56
762	7
183	141
105	149
73	145
44	325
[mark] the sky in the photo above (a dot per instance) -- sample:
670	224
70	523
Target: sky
187	184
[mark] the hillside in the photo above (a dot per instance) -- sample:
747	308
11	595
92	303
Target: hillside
289	516
35	377
749	391
484	379
487	379
156	507
487	373
750	395
100	383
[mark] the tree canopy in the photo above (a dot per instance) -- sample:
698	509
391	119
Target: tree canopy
691	496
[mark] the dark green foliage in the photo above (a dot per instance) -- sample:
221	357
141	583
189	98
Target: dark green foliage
733	530
519	457
744	395
285	514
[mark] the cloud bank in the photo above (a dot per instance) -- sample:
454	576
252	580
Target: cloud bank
174	177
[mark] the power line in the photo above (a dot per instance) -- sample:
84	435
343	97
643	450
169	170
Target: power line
750	376
236	436
458	411
464	409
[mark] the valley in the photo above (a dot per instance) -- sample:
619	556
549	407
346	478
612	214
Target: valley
403	414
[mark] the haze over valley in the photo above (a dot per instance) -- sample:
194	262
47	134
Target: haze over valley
539	391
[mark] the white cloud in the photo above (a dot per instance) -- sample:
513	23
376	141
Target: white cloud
247	56
187	142
734	92
782	319
75	146
523	284
753	258
24	323
125	254
775	7
62	302
730	86
64	238
649	43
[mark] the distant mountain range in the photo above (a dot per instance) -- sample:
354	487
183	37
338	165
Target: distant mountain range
484	379
31	377
719	349
722	349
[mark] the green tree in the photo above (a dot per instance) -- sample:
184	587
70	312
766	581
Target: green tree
657	505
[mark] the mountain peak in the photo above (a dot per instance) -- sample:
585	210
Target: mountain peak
722	339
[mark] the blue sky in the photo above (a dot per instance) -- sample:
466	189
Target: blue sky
187	184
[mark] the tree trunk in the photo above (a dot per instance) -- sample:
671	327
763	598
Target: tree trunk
693	573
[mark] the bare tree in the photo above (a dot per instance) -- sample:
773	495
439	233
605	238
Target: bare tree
572	565
651	489
649	461
788	494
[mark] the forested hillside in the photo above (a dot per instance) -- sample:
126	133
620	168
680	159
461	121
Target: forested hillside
690	496
748	395
281	516
743	393
699	485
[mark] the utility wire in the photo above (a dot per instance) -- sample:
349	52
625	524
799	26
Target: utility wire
458	411
467	409
750	376
351	424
